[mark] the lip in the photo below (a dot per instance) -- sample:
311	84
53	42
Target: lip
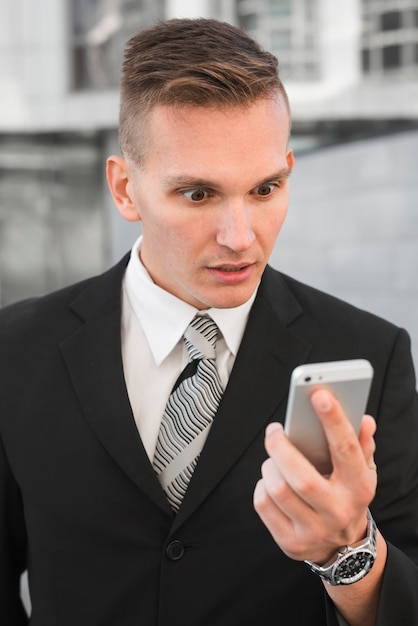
229	274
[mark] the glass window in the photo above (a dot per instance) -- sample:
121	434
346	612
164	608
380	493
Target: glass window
281	40
391	56
280	7
309	41
96	24
391	20
100	29
50	190
249	22
285	70
310	10
311	70
365	55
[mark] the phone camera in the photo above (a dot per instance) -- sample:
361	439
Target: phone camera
308	379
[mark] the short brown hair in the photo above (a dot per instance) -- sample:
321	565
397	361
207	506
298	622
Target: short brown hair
190	62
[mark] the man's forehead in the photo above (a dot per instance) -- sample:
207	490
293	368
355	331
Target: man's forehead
184	138
182	112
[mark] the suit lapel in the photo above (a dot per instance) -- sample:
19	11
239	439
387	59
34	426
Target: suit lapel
257	388
256	391
94	361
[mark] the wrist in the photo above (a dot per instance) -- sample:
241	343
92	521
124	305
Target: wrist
352	562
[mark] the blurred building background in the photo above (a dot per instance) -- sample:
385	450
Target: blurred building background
351	70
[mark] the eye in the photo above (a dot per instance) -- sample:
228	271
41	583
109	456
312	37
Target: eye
266	189
196	195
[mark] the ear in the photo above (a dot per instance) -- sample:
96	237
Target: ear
290	159
118	176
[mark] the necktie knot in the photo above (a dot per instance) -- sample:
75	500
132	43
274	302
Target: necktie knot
200	338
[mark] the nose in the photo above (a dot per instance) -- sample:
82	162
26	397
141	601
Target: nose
234	229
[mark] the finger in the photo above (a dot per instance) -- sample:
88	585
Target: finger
322	511
346	453
272	516
366	440
352	465
290	535
282	494
292	481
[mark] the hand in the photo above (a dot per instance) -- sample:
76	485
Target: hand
310	516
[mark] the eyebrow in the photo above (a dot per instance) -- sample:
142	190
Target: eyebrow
283	173
188	181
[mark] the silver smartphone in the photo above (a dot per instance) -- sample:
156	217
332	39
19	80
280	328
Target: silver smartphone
349	381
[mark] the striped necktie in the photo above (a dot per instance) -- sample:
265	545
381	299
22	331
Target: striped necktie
189	412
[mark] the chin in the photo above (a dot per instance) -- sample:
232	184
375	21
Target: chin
224	298
229	303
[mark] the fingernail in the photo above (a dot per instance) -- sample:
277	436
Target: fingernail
322	400
274	426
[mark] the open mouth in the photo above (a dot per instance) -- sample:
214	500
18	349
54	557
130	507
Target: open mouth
232	274
232	269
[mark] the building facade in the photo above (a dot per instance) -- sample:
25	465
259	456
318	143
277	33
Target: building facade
351	70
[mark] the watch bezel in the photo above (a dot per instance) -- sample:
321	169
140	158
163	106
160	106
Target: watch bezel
339	578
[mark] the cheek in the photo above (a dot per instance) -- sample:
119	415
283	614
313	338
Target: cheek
272	225
176	243
280	220
188	233
282	212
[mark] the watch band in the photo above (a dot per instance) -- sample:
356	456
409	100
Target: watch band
351	564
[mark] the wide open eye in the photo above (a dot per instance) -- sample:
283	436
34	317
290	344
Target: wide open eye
196	195
265	189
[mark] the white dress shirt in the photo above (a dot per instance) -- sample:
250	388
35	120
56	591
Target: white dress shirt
153	351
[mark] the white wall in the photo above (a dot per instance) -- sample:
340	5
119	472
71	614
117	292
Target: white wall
352	227
187	8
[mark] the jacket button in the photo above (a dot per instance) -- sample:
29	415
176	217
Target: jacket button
175	550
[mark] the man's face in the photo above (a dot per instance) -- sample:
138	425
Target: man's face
212	196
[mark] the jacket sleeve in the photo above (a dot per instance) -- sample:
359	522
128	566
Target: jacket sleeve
394	404
395	507
12	547
399	593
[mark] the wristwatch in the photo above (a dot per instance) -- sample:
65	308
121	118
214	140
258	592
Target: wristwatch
352	563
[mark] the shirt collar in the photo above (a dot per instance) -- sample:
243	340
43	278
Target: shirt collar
164	317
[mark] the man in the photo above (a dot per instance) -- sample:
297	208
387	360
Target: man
113	529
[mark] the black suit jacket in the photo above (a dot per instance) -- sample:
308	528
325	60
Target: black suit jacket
80	505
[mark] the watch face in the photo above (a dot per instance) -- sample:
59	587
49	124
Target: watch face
353	567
